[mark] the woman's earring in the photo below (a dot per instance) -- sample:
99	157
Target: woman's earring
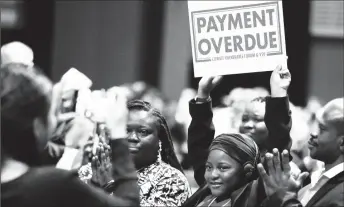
159	152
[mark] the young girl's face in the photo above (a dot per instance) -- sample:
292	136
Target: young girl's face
223	174
253	124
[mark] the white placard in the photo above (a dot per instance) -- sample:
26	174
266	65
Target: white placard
232	37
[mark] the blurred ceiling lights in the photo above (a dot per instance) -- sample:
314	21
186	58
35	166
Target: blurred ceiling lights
326	19
12	14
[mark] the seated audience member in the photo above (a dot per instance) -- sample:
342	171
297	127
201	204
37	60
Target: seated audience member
230	166
299	134
29	107
140	90
160	176
267	120
303	119
277	117
151	145
326	144
228	119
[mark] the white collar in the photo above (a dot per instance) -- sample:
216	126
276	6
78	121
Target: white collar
321	173
334	170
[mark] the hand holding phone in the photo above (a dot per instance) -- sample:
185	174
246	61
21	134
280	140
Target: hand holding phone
73	82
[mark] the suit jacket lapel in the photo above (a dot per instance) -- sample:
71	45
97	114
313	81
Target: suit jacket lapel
325	189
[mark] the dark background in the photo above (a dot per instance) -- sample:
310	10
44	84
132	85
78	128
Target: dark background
43	31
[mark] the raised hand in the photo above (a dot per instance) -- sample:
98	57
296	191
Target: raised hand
280	177
101	165
206	85
279	81
56	102
54	114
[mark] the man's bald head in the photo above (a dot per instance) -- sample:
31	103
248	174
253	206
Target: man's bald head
327	133
333	114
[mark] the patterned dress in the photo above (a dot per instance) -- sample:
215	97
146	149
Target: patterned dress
160	184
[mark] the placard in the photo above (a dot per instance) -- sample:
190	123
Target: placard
232	37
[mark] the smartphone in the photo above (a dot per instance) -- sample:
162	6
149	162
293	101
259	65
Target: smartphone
69	99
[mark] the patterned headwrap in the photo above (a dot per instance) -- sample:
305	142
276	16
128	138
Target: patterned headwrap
167	152
240	147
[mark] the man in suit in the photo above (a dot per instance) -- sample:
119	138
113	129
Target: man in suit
326	144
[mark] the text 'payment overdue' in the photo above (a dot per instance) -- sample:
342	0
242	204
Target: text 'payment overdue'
238	32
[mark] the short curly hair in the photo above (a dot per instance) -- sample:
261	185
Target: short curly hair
25	95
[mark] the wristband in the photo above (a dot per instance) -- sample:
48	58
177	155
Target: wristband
108	186
202	100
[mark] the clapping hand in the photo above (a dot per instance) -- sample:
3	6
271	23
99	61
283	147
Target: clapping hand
280	177
101	165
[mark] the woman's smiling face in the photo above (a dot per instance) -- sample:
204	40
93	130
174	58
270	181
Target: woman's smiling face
223	174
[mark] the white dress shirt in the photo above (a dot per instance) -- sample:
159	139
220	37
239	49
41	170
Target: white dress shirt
318	179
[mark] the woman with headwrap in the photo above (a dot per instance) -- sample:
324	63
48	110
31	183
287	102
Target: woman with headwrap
276	135
160	176
231	164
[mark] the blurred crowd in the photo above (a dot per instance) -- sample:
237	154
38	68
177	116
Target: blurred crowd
82	139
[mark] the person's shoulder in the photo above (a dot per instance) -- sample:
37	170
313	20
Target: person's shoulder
44	180
51	174
172	172
52	170
333	196
206	200
175	179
